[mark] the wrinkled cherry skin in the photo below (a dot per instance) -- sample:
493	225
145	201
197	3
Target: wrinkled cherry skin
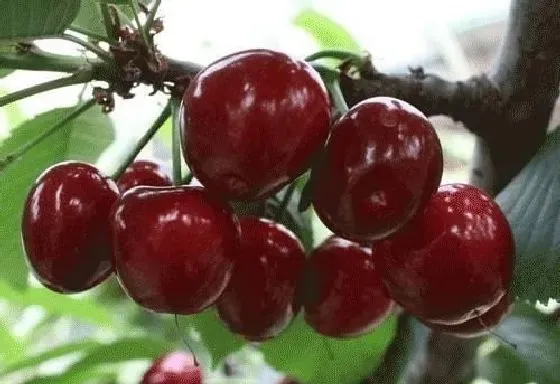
344	295
65	227
143	172
252	121
454	261
477	326
174	368
173	247
383	161
260	300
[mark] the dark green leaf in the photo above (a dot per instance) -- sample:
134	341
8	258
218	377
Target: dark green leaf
537	340
327	32
51	354
82	309
532	204
82	139
36	17
90	19
302	353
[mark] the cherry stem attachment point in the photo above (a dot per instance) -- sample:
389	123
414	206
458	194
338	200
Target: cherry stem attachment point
23	150
185	341
158	123
176	142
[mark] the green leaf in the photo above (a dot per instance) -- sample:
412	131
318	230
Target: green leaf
500	364
12	348
327	32
5	72
36	17
51	354
81	309
531	203
537	340
302	353
90	19
81	139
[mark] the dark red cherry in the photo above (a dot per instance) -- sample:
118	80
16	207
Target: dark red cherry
454	260
174	368
382	163
65	227
260	300
252	121
344	295
143	172
173	247
477	326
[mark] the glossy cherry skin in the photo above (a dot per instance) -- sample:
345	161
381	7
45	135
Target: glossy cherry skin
174	368
261	299
173	247
454	261
382	162
65	227
477	326
143	172
344	295
252	122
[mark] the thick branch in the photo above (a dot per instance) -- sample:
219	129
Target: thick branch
476	102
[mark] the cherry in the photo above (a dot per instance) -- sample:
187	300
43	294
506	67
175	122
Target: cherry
65	227
143	172
383	161
477	326
173	247
260	300
252	122
453	261
345	296
174	368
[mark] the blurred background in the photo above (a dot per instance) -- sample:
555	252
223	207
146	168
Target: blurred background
452	39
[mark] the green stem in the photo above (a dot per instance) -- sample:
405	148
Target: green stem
22	150
136	11
104	55
338	98
108	21
89	34
151	17
336	54
158	123
176	143
285	201
82	76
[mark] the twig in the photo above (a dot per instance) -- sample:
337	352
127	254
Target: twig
82	76
136	12
108	22
22	150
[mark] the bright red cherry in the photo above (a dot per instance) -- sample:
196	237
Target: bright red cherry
260	300
174	368
454	260
143	172
173	247
382	163
65	227
477	326
344	295
252	121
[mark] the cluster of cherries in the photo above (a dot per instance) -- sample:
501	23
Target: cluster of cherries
252	122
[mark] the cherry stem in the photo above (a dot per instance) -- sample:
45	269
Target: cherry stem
136	11
79	77
338	55
328	348
338	98
176	142
108	21
185	341
285	201
103	55
151	17
23	150
499	337
158	123
92	35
